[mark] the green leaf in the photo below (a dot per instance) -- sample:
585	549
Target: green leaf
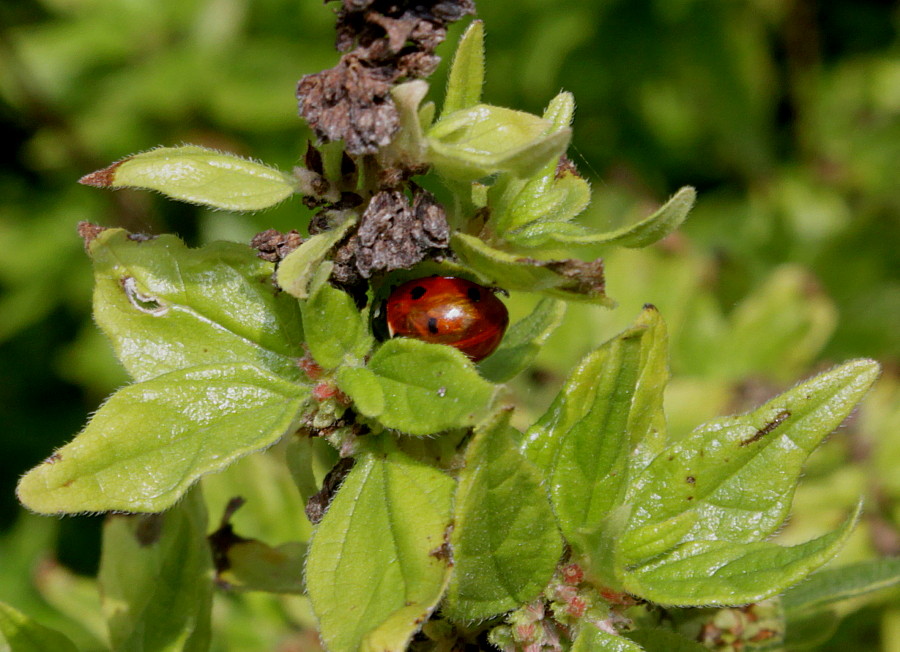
296	271
417	387
199	175
151	441
74	596
588	471
467	71
609	406
827	587
548	200
365	388
779	329
408	147
807	630
505	541
22	634
336	331
275	511
649	230
523	341
255	566
559	113
156	579
733	479
647	418
481	140
591	639
698	573
664	640
309	459
166	307
572	280
375	571
535	221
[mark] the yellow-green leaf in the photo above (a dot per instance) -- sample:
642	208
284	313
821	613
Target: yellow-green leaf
375	569
199	175
152	440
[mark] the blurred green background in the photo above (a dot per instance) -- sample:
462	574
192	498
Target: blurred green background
785	114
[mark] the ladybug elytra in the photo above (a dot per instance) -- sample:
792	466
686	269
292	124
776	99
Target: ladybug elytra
448	310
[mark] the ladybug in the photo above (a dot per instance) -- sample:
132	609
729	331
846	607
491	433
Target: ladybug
448	310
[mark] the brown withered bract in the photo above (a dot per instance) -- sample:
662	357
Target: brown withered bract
88	232
319	502
350	102
273	245
565	166
392	234
383	42
586	275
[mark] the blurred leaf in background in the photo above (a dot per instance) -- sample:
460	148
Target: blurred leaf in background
784	115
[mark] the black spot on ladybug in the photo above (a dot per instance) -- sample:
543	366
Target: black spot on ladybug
432	325
417	292
474	294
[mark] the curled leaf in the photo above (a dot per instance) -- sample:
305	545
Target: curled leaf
574	280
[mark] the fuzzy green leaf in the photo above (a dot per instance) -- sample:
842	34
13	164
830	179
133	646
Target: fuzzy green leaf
199	175
549	199
588	470
610	406
562	279
646	418
19	633
166	307
374	571
698	573
733	479
505	541
336	331
523	341
156	579
467	70
827	587
591	639
298	268
152	440
664	221
365	388
418	387
408	146
481	140
541	215
559	113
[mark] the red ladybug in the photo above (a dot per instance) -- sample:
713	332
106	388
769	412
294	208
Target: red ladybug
448	310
